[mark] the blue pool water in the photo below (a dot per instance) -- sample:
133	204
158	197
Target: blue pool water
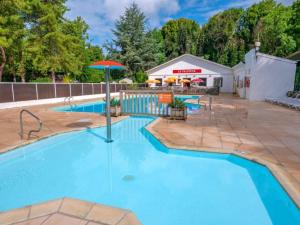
99	107
137	172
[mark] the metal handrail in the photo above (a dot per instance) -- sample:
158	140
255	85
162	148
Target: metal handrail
21	133
68	99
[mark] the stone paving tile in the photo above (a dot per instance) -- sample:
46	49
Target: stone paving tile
56	219
36	221
129	219
14	216
45	208
105	214
76	207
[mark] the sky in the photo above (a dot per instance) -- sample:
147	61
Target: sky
101	15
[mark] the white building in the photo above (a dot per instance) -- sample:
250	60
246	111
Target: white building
190	67
263	76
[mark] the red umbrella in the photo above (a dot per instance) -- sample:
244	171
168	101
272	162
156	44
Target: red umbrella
197	80
107	66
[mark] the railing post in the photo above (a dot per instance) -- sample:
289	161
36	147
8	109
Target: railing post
121	101
70	90
36	92
93	89
13	92
54	85
81	88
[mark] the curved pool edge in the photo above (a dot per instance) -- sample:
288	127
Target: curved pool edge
287	182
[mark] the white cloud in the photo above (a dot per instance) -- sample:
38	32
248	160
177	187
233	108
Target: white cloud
100	15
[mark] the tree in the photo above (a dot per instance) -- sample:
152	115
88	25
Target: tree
11	28
218	40
294	29
180	37
273	32
56	45
130	45
157	42
250	19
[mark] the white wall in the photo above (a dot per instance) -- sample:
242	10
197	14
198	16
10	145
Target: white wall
8	105
272	77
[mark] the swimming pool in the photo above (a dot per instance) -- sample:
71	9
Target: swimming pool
161	186
99	107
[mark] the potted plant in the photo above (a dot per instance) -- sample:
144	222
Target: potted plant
178	110
115	107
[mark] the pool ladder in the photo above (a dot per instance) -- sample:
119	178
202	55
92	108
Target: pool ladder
68	100
21	133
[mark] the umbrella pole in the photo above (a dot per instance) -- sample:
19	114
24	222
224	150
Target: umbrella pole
108	118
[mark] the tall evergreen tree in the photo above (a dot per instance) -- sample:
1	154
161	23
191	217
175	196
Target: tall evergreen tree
130	45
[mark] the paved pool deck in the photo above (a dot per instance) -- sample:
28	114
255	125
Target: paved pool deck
259	131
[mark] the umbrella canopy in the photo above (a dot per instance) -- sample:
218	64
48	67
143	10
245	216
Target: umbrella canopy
197	80
171	80
152	81
185	81
107	64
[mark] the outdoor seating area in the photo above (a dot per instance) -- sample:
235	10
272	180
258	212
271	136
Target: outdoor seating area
291	100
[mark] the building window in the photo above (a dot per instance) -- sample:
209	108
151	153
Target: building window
218	82
204	83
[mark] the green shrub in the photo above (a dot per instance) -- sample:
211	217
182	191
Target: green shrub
42	80
114	102
177	103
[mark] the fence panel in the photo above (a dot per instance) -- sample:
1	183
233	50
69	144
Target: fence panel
87	89
10	92
76	89
6	93
143	102
112	88
118	87
62	90
103	88
97	88
45	91
23	92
